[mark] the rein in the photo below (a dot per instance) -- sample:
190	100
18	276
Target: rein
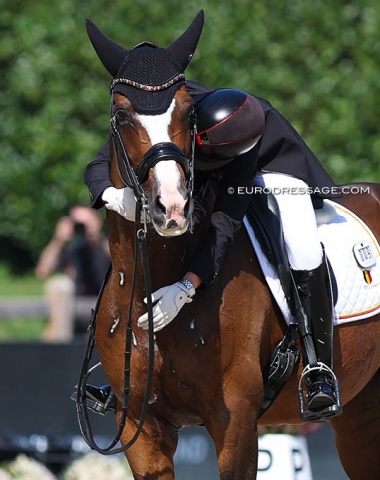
159	152
81	403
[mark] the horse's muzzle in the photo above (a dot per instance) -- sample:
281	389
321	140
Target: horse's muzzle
171	204
171	221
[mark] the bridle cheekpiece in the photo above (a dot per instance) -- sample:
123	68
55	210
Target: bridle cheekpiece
159	152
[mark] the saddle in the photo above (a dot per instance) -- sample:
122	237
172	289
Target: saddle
264	216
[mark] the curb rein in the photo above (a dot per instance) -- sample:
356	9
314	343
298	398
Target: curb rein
132	179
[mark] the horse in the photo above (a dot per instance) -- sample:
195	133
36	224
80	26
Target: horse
209	361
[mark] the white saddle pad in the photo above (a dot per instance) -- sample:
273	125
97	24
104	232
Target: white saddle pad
354	254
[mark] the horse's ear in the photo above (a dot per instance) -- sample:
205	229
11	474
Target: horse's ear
110	53
184	47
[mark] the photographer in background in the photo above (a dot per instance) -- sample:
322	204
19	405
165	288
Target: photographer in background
74	263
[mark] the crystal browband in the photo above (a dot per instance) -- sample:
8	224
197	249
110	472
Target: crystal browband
147	88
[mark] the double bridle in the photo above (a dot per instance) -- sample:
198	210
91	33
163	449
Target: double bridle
157	153
133	179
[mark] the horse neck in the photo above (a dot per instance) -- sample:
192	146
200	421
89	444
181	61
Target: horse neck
168	257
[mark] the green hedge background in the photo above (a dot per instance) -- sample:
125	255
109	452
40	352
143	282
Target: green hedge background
317	61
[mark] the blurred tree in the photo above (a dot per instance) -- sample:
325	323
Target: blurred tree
316	61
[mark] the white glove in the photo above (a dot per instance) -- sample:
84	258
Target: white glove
120	200
170	301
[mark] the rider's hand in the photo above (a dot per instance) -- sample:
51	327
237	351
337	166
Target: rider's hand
169	300
120	200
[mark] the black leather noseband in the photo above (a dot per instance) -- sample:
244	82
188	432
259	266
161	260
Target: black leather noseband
158	153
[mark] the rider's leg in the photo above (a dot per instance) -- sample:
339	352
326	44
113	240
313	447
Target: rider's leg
315	293
297	217
311	276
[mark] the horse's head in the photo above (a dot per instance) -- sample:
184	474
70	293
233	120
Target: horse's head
152	124
159	149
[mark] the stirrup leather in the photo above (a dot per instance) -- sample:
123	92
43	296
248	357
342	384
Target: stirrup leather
326	413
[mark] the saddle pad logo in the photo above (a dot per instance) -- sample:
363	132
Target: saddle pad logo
364	255
366	259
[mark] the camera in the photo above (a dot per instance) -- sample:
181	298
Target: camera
79	228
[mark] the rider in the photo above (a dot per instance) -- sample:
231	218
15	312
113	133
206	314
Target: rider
280	161
275	157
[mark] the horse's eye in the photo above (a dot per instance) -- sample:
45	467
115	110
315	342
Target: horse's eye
121	116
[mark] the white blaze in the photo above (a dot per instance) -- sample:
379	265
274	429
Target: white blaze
165	172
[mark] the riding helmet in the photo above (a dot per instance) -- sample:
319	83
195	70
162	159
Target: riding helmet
229	123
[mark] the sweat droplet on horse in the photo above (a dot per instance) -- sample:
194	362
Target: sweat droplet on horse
209	363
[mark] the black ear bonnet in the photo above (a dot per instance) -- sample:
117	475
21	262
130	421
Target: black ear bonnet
147	75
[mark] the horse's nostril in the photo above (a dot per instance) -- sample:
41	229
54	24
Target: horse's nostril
172	224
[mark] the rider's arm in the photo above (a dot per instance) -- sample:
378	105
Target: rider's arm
229	209
97	176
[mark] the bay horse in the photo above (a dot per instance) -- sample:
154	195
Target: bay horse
209	361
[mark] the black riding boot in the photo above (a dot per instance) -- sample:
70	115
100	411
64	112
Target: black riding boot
99	399
314	289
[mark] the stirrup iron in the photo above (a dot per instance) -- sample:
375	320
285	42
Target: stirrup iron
96	405
326	413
